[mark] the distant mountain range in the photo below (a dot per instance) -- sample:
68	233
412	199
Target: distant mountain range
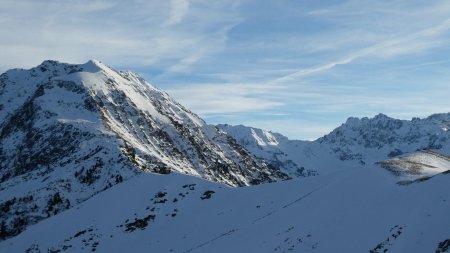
356	143
94	159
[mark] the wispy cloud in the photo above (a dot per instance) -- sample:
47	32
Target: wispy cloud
224	99
159	34
178	10
399	45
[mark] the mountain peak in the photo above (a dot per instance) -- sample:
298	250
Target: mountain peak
49	63
95	62
352	121
440	117
355	121
94	65
381	116
50	66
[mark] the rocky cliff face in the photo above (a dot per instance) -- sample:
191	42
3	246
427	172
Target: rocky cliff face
70	131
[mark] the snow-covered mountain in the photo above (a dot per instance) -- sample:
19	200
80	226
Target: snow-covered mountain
93	159
368	140
356	143
70	131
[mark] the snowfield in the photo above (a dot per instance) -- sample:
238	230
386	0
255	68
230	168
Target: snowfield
354	211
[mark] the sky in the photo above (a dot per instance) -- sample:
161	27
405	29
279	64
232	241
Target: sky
300	68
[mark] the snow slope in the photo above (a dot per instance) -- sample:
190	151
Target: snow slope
346	211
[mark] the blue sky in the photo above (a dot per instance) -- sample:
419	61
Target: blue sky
295	67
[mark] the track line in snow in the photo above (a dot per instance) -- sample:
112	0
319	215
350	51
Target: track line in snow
300	198
285	206
210	241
